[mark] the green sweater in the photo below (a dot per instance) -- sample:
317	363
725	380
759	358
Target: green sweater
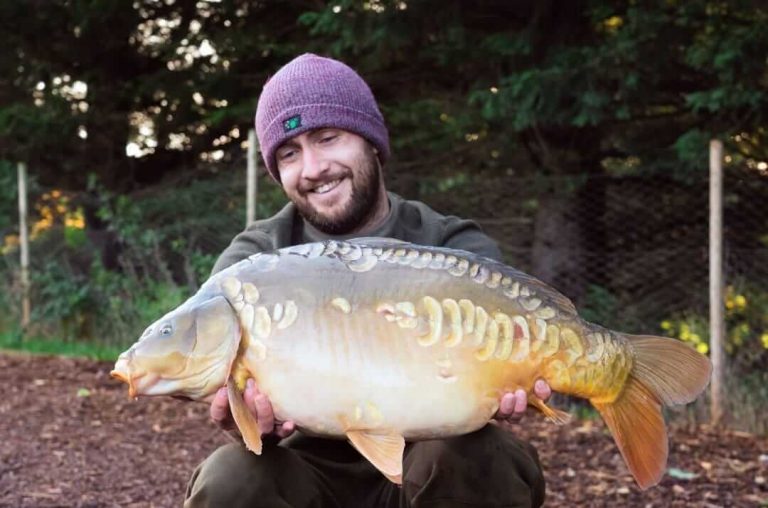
409	221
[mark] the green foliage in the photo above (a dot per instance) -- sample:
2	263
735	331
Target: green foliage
8	196
689	149
100	306
542	97
11	341
600	306
746	322
569	86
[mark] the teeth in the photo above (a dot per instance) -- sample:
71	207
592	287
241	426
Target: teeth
326	186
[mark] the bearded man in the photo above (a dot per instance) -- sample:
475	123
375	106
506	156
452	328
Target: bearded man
325	142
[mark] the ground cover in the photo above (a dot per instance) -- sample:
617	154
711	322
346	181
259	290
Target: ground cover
69	436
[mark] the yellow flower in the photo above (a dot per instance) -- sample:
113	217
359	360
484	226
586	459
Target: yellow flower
11	243
702	348
740	301
75	220
764	340
666	325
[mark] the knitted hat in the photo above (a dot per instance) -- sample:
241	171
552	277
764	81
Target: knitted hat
312	92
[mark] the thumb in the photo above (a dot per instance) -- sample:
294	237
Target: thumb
220	406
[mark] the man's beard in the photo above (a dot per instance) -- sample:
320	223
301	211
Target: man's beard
362	204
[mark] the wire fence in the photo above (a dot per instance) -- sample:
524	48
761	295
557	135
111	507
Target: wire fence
633	255
631	251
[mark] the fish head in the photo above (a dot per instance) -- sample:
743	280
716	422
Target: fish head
186	353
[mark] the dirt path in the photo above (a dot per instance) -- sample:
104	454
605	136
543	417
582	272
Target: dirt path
70	437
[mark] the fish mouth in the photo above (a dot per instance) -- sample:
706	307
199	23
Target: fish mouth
125	379
122	372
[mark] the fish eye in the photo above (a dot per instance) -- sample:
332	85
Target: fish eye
166	330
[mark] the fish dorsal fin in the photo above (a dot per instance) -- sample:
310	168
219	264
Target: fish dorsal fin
384	451
377	241
244	419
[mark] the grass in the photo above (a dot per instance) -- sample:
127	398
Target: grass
13	341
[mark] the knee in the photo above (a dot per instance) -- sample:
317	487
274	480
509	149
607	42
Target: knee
231	475
473	452
490	461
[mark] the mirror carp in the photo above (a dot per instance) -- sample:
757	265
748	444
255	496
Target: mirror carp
380	341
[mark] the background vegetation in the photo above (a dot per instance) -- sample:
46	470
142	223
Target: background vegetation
575	132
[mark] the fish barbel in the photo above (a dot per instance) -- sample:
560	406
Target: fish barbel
381	341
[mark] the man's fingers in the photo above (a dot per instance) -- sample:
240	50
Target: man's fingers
507	405
542	390
249	396
521	402
285	430
220	406
259	406
264	414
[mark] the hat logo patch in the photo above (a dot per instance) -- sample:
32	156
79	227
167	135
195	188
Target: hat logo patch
292	123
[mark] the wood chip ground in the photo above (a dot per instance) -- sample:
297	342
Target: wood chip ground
69	436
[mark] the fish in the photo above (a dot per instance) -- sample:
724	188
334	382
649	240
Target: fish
380	342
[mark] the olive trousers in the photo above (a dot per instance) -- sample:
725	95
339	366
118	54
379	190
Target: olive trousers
484	469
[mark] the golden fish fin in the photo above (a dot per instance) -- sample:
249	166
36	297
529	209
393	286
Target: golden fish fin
637	425
670	368
664	371
384	451
552	414
244	419
376	241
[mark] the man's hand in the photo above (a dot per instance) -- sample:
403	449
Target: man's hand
258	404
512	405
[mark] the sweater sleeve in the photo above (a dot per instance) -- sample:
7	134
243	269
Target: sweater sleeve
247	243
467	235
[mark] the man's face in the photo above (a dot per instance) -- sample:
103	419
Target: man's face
332	176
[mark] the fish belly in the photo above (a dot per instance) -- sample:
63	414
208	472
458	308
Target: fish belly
361	372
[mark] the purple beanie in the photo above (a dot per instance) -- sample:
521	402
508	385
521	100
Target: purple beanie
311	92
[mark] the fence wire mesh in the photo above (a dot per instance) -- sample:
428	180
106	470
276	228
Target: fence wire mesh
631	251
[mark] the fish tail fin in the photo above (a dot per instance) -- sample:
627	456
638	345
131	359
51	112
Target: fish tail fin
665	372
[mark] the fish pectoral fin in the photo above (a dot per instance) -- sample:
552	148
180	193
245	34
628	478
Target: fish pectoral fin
553	415
384	451
244	419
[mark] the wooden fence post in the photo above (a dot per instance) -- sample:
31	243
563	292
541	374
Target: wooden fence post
24	243
716	304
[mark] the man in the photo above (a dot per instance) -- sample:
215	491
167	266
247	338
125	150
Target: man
324	140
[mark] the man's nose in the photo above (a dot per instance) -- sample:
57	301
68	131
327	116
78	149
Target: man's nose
315	164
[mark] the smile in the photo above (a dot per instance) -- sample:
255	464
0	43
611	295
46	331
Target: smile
327	187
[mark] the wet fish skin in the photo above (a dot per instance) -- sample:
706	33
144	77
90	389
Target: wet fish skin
387	341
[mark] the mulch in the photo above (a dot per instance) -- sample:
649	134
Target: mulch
69	436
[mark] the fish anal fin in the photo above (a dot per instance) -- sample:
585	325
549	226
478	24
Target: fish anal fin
244	419
637	425
383	450
552	414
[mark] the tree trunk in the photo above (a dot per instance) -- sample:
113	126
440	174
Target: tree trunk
569	243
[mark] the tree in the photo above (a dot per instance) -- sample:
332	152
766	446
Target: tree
574	90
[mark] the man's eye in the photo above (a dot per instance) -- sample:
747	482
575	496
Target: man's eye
328	139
